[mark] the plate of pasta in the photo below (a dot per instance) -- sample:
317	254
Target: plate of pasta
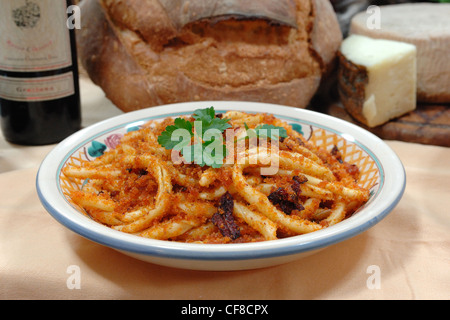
218	185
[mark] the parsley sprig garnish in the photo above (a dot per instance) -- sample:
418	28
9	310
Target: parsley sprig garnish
206	131
201	141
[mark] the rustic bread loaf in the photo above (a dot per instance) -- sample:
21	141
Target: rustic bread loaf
144	53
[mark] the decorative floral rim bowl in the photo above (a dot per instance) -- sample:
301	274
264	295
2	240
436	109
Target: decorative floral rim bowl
381	171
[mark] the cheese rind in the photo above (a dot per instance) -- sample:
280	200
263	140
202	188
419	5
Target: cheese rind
377	78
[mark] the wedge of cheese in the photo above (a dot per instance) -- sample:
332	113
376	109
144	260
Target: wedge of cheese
425	25
377	78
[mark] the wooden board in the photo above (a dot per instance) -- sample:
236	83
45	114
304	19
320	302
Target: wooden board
428	124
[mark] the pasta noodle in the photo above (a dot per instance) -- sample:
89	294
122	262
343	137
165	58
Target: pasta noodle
142	188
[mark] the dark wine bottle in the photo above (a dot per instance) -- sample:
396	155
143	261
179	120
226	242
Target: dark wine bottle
39	87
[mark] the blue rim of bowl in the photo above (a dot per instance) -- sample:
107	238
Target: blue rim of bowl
260	250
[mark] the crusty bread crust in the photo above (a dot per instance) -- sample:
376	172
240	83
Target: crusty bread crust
134	52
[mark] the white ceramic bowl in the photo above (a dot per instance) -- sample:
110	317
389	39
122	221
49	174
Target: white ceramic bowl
381	171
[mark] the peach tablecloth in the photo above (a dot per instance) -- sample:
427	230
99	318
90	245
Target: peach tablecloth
405	256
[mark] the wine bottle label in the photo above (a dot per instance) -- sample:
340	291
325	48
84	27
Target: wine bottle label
34	35
37	89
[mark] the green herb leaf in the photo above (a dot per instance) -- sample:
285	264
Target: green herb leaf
167	138
204	153
204	115
219	124
209	121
